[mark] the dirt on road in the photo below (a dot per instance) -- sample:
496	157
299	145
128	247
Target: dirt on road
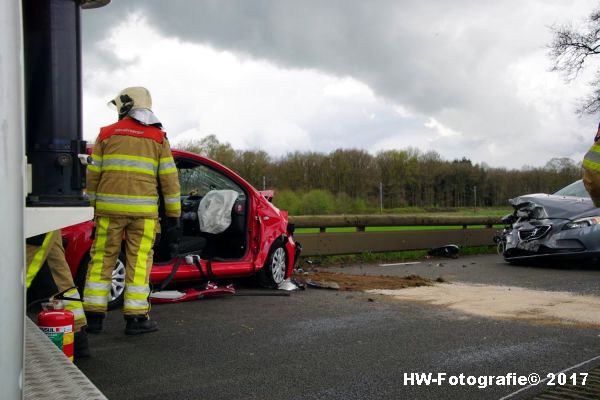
362	282
507	302
493	301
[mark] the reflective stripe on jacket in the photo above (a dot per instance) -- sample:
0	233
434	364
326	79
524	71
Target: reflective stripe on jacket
591	173
128	161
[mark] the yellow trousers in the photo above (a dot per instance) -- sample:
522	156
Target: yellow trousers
138	234
51	251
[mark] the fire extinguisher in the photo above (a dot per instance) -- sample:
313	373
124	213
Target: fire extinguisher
58	324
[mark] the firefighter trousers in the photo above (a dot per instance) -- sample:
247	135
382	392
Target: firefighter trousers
138	234
52	252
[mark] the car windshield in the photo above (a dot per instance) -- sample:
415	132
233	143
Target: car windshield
575	189
197	179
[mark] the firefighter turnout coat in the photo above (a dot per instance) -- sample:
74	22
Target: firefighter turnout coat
122	179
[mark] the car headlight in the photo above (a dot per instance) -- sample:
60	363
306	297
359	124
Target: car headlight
582	223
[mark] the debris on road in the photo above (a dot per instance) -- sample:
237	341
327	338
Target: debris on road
323	285
262	292
450	251
209	289
400	264
361	282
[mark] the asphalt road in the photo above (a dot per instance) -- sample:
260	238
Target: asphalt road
492	269
321	344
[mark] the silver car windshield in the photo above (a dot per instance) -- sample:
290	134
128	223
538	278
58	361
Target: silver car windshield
575	189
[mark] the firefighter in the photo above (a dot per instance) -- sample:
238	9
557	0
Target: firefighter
49	248
591	170
131	164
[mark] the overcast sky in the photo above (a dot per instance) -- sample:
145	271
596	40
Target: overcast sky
466	78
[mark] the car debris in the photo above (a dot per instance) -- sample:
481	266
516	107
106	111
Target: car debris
209	289
400	264
449	250
262	293
323	285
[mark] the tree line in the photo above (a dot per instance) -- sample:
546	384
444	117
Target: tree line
353	180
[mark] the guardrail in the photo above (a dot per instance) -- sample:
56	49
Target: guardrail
363	241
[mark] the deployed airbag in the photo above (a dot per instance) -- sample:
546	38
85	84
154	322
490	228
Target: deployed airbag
214	211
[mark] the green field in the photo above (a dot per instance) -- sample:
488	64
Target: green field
453	212
495	212
390	228
412	254
390	257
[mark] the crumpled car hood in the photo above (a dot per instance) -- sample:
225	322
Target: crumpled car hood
568	207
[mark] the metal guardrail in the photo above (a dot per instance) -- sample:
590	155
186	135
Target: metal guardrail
362	241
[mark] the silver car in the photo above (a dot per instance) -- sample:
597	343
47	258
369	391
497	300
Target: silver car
563	225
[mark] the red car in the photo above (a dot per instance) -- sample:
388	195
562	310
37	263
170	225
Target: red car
258	241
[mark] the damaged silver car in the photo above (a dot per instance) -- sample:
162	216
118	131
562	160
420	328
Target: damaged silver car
563	225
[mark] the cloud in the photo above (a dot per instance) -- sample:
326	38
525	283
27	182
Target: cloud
349	73
442	131
199	90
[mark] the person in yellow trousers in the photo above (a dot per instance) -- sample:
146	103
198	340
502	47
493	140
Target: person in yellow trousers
131	166
48	248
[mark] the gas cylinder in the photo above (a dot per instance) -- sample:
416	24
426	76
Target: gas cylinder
58	324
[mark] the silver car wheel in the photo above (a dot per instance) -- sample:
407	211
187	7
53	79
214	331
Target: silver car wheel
118	281
278	265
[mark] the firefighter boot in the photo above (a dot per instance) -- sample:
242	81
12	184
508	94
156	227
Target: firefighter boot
81	347
94	322
137	324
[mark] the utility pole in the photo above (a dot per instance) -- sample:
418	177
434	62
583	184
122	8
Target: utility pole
264	183
381	197
475	199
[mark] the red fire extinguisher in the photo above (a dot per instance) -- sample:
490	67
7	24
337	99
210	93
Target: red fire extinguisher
58	324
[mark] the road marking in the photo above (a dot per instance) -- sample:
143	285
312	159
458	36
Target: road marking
544	380
404	263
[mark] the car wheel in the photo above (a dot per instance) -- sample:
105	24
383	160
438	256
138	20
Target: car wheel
274	268
117	289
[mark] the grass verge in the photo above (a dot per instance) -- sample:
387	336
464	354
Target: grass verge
383	258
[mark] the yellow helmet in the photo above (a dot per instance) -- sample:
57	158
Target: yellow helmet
132	98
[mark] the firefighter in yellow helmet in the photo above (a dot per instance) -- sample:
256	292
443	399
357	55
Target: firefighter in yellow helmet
48	248
131	163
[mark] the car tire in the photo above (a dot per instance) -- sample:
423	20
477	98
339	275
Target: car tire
274	268
117	290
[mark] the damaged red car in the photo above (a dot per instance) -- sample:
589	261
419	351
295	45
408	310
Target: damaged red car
250	237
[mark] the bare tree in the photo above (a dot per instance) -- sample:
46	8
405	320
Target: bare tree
572	48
